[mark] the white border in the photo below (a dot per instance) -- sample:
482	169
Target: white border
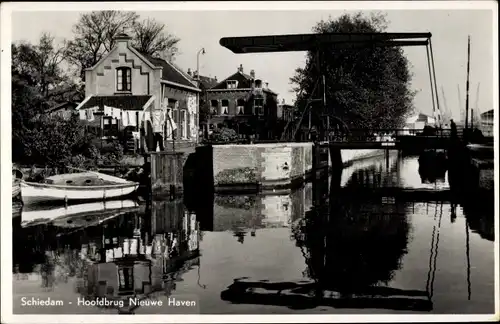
6	201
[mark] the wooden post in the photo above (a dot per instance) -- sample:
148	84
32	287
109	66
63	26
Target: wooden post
167	173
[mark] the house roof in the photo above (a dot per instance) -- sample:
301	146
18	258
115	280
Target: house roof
122	102
61	105
244	81
487	113
171	72
208	82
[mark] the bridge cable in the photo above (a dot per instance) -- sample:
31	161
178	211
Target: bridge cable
429	64
435	81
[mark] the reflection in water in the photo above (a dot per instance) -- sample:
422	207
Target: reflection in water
134	254
342	249
432	167
351	246
245	214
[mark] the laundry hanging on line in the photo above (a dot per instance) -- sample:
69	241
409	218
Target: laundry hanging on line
88	113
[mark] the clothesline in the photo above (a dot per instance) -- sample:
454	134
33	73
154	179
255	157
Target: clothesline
158	118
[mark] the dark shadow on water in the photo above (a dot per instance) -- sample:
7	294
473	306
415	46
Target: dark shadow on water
352	246
432	167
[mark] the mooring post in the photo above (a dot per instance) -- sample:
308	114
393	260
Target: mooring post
167	173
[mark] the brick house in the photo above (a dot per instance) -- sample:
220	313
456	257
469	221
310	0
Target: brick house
244	103
135	95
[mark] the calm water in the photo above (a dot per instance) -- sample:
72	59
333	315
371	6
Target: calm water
320	249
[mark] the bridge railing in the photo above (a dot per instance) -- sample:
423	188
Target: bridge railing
384	135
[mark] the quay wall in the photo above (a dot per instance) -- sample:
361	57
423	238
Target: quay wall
261	165
268	166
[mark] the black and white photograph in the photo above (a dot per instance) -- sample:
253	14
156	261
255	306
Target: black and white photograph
269	161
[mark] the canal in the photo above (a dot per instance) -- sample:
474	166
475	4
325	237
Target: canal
319	249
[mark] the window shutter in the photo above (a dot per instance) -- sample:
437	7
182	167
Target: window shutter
188	124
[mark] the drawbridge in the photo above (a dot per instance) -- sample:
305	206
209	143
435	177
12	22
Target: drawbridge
315	106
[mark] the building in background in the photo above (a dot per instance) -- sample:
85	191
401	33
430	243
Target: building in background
244	103
204	83
64	109
419	121
486	123
127	92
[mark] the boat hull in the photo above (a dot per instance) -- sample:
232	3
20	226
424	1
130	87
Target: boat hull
33	193
16	189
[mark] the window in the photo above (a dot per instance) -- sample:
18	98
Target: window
240	107
123	79
232	84
224	109
258	106
109	126
214	104
258	83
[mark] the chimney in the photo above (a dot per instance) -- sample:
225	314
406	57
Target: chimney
240	69
252	74
267	85
122	40
189	72
215	78
283	101
195	74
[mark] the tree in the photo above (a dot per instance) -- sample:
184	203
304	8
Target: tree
366	88
38	82
39	65
150	38
95	33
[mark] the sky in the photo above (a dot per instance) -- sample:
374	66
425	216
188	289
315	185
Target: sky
203	29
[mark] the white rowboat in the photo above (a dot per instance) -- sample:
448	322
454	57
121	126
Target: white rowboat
77	186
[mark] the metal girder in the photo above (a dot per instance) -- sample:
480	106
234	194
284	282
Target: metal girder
306	42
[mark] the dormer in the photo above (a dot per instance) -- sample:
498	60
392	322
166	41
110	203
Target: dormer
258	83
232	84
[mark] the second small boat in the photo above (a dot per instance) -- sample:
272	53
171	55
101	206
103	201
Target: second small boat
82	186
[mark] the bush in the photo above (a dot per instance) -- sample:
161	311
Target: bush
224	135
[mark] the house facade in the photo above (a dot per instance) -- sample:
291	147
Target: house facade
486	123
285	111
244	103
141	97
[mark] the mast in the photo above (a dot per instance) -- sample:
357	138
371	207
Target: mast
475	114
467	87
447	113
